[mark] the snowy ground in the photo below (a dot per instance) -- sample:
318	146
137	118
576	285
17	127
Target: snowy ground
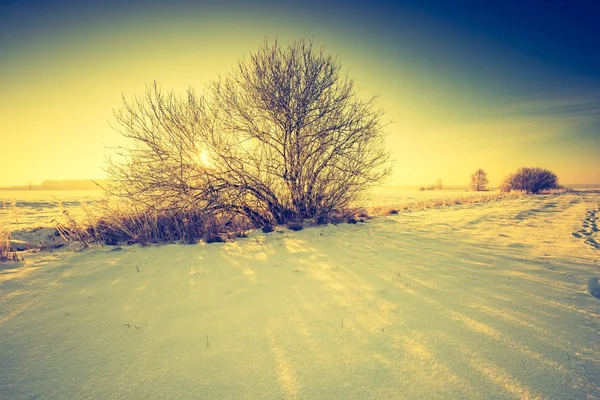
26	209
398	196
487	300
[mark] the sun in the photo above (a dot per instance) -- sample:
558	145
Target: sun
204	158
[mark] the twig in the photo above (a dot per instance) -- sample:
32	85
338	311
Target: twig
97	184
207	345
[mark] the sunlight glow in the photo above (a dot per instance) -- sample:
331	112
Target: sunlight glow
204	158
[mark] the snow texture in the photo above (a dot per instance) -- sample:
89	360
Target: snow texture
491	300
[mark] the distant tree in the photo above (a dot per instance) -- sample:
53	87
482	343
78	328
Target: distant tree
532	180
283	137
479	180
438	184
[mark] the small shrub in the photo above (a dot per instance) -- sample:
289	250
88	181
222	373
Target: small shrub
362	214
352	220
295	226
214	239
322	220
393	211
337	217
530	180
268	228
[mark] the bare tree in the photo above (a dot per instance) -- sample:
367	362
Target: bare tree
282	137
479	180
439	185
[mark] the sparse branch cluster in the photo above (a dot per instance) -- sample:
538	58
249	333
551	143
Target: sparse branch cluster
161	164
285	137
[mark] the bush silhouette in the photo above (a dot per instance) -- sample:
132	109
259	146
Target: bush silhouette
531	180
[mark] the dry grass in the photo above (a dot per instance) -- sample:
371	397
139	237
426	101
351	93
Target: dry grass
349	215
115	223
556	191
6	251
118	222
442	202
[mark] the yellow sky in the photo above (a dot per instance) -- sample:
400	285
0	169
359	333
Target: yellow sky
60	89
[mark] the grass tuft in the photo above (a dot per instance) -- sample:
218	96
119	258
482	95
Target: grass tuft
268	228
295	226
7	253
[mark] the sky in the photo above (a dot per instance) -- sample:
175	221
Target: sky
467	84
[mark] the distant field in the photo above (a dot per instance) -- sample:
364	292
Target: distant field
24	209
391	196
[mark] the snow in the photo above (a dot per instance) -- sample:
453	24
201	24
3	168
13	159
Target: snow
399	196
26	209
486	300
